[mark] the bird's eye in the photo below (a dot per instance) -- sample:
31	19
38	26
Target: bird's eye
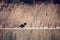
25	23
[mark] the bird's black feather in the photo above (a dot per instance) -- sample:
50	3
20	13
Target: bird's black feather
22	25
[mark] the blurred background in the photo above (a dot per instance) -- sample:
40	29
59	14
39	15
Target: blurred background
35	13
30	34
32	1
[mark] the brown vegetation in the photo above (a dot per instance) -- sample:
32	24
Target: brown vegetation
37	15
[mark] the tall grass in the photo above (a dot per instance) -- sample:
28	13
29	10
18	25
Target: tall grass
37	15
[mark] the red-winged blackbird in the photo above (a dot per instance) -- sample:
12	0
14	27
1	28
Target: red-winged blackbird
22	25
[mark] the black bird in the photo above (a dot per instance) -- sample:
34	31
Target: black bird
22	25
